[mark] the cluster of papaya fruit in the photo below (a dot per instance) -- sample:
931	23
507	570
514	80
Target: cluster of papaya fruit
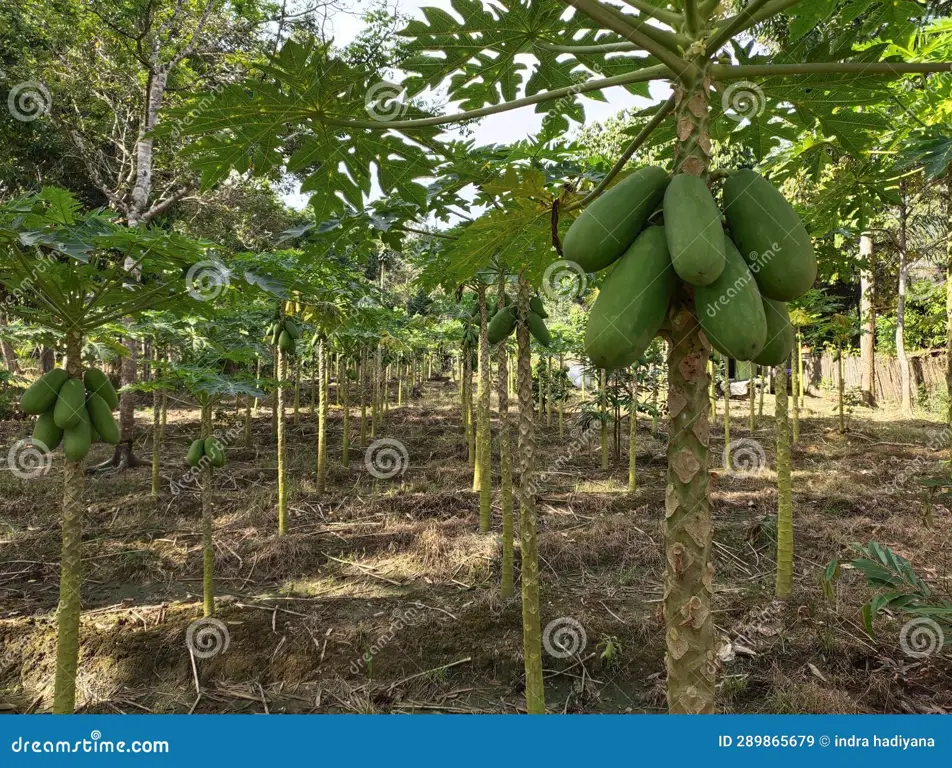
504	322
284	333
210	447
741	277
73	411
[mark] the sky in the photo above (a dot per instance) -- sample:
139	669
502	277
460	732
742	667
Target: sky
503	128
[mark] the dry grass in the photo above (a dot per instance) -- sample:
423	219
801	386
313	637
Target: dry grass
395	569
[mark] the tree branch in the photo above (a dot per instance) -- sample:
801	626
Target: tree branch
743	71
670	18
604	16
769	9
162	206
733	25
690	15
597	48
663	111
657	72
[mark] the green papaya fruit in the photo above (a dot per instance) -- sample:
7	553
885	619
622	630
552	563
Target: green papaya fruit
780	337
94	436
76	439
195	452
292	328
98	382
102	419
284	341
70	404
215	451
538	330
731	310
491	311
40	396
605	229
535	304
770	236
692	225
46	432
502	325
632	303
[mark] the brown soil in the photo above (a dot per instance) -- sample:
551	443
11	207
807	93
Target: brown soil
395	570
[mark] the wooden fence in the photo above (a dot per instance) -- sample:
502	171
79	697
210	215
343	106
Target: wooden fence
927	369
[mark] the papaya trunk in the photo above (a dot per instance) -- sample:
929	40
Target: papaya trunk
948	300
324	392
375	395
794	383
343	385
548	390
764	380
257	405
867	313
801	379
362	389
247	430
71	575
562	402
784	489
752	396
840	386
689	574
165	415
274	394
603	412
208	518
727	415
156	440
297	392
484	442
282	488
905	377
505	460
633	431
531	621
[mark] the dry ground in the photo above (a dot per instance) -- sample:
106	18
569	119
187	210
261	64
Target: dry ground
394	569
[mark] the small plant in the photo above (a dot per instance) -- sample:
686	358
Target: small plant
609	651
898	587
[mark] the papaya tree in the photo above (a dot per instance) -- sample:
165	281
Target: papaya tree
699	50
68	271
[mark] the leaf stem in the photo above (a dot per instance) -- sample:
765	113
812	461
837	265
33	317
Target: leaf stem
742	71
671	18
733	25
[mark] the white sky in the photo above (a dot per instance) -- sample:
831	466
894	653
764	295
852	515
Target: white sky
503	128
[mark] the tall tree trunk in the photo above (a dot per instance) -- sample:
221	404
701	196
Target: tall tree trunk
689	574
603	414
633	431
297	392
548	390
208	520
784	489
343	385
505	457
751	395
948	299
274	394
9	354
905	380
282	469
69	609
840	388
156	440
562	400
867	311
764	380
324	391
531	620
727	415
362	389
794	384
483	427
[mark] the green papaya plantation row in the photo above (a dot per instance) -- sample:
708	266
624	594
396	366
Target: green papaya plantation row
314	399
